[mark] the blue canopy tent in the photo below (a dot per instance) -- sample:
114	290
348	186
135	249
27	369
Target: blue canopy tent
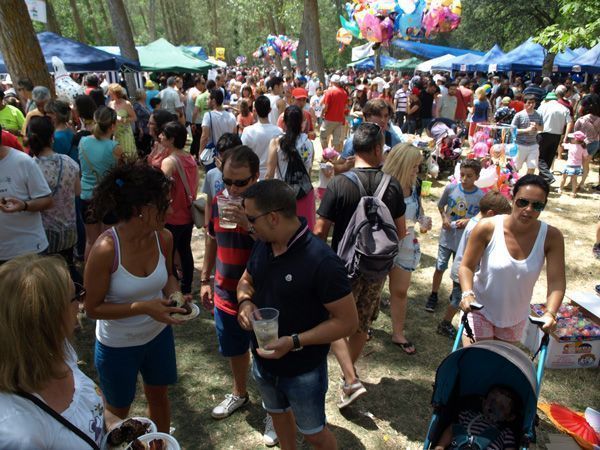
482	65
580	51
462	62
588	62
369	62
77	57
447	64
529	57
430	51
198	51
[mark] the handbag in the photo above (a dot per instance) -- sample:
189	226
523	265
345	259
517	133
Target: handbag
196	206
207	157
59	418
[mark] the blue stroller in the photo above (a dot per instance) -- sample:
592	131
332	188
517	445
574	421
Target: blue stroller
471	371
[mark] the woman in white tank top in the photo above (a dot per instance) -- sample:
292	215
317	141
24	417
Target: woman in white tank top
128	280
510	251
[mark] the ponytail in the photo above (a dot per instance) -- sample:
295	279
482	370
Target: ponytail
104	118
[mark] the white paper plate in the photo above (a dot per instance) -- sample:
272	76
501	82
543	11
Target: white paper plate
185	317
171	442
105	446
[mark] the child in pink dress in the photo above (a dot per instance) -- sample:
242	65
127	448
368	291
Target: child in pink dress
574	167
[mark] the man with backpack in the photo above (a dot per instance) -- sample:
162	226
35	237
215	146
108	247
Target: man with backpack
363	196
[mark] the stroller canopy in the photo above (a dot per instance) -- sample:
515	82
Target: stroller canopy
473	370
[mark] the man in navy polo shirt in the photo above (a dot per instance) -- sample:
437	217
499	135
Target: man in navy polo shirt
293	271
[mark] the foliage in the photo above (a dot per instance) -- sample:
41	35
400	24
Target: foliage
579	25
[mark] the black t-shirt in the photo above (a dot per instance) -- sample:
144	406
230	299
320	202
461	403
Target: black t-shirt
426	105
298	284
342	196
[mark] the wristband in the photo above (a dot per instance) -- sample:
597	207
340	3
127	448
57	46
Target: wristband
552	314
205	281
245	300
466	294
296	342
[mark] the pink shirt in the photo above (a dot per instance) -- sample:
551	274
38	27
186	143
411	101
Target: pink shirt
576	154
181	203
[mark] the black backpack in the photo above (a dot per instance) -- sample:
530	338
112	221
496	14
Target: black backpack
296	175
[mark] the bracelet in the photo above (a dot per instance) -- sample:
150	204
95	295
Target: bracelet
466	294
245	300
205	280
552	314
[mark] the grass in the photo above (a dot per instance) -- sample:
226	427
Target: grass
396	410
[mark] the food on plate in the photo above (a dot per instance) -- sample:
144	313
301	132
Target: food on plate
127	431
177	300
136	444
157	444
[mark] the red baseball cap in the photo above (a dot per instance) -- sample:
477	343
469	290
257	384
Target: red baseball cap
299	93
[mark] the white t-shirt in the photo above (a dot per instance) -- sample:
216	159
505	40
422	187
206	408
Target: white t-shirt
21	232
312	86
274	114
306	151
220	122
170	100
462	246
213	182
25	426
258	137
190	100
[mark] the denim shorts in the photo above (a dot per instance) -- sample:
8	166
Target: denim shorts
456	295
443	258
304	394
118	367
233	340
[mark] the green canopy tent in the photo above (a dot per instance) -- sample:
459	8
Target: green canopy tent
405	64
162	56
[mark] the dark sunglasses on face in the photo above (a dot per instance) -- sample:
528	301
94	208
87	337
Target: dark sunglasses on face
524	203
238	183
253	219
79	293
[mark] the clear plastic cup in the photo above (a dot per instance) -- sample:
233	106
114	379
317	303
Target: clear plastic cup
425	224
265	323
225	203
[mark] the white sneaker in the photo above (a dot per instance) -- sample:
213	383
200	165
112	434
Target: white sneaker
269	436
350	393
228	406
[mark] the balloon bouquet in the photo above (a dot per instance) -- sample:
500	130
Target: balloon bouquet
281	46
378	21
240	60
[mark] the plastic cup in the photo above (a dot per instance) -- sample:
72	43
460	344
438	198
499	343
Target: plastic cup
265	323
425	224
225	203
425	188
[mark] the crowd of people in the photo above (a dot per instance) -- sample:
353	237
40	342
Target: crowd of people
99	198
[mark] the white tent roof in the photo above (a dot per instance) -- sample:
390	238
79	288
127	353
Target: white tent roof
427	65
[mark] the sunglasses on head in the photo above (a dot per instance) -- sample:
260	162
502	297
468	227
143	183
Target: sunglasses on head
79	293
238	183
524	203
253	219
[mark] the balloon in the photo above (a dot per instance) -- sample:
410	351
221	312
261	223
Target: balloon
370	28
487	177
511	150
409	25
480	149
351	26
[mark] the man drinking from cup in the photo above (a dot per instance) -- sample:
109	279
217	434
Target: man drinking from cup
297	274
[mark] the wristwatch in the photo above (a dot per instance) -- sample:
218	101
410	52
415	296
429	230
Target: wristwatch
296	341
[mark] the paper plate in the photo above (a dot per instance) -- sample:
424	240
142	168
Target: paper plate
105	446
171	442
185	317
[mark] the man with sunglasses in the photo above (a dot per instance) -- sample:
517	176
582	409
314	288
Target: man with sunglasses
510	251
293	271
227	251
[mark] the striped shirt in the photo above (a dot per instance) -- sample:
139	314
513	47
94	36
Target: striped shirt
476	423
401	99
233	250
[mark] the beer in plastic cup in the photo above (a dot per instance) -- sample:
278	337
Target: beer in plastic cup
224	203
265	323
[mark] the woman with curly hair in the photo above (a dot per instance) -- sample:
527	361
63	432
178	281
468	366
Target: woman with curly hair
125	117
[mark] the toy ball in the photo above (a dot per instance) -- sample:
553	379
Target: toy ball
489	142
511	150
480	149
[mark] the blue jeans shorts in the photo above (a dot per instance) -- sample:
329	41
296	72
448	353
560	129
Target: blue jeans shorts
443	258
456	295
304	394
118	367
233	340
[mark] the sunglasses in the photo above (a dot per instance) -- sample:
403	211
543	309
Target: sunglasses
253	219
524	203
238	183
80	293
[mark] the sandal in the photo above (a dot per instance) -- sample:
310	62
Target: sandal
405	346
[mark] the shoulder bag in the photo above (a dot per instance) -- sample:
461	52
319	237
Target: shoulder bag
207	157
196	206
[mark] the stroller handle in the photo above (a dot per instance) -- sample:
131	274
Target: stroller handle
464	326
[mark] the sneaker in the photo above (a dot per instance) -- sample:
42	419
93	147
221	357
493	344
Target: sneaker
350	393
596	250
431	303
228	406
269	436
445	328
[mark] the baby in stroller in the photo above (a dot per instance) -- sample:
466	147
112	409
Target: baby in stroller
487	425
448	138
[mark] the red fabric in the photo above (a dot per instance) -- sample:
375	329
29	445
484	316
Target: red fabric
464	99
180	205
10	140
336	101
517	105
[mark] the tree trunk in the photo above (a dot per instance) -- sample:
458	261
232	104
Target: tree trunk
548	63
144	21
19	45
122	31
377	58
52	25
214	23
313	33
301	50
78	23
152	20
105	21
166	25
90	12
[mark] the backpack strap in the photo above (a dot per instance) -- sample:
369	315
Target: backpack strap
352	176
383	185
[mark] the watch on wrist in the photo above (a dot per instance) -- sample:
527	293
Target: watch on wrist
296	342
466	294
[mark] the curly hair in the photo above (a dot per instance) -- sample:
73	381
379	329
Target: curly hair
128	187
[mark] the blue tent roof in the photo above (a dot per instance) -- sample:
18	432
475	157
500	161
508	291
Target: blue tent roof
77	57
589	61
580	51
430	51
529	56
463	61
369	63
490	57
197	51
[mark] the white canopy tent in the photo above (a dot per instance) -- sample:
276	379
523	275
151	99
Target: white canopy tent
427	65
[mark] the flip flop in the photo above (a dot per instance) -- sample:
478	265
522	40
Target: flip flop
405	346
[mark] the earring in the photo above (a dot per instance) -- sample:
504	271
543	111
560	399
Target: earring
141	216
